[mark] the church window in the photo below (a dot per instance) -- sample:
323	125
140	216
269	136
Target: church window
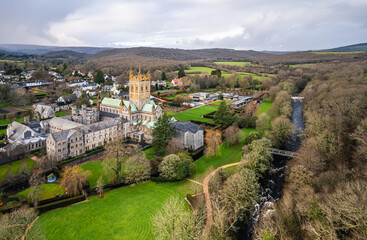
141	88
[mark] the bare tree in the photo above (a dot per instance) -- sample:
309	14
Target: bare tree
73	180
213	139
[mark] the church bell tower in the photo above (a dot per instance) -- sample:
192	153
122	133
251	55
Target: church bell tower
139	91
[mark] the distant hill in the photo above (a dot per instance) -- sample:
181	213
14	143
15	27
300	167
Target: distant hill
349	48
179	54
64	54
39	49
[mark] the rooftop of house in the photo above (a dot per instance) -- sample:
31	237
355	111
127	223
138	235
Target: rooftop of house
187	126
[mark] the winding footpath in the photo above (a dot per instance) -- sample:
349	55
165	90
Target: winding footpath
208	203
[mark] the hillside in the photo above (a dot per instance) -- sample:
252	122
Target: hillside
349	48
179	54
64	54
39	49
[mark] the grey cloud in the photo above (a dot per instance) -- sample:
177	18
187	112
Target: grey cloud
239	24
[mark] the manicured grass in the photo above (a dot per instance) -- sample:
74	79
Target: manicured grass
14	167
200	111
3	131
219	102
264	107
339	52
96	170
48	191
149	153
226	155
4	122
241	64
169	112
59	114
123	213
184	118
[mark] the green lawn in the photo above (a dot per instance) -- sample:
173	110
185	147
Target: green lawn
96	170
200	111
227	155
59	114
184	118
264	107
219	102
123	213
14	167
48	191
3	131
4	122
240	64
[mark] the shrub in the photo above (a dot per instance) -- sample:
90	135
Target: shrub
176	167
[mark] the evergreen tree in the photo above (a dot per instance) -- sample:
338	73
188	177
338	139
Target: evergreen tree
164	76
217	72
181	73
162	134
99	77
223	116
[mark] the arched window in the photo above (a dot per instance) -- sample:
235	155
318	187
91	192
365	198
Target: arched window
141	88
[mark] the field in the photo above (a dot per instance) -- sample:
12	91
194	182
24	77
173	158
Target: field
339	52
196	113
184	118
200	111
4	122
48	191
240	64
264	107
96	170
14	167
125	213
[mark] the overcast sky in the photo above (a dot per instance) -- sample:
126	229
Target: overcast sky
188	24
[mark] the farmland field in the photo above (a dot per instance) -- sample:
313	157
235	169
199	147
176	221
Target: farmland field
240	64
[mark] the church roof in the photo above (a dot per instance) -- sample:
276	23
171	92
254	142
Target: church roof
133	107
111	101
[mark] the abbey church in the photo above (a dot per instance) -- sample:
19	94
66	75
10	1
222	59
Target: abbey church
140	111
88	128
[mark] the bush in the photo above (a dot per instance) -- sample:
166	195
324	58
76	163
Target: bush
251	137
246	122
176	167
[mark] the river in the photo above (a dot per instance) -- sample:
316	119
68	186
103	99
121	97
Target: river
272	183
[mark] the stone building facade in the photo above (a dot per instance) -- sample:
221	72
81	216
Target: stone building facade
189	135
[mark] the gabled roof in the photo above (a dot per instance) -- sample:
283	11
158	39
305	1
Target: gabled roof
64	123
18	129
62	136
187	126
70	98
133	107
111	102
94	127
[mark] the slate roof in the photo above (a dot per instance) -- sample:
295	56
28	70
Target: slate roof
70	98
186	126
18	129
62	136
108	114
94	127
64	123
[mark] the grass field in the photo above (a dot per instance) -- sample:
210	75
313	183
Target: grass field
96	170
14	167
264	107
3	131
48	191
125	213
59	114
184	118
4	122
354	52
200	111
240	64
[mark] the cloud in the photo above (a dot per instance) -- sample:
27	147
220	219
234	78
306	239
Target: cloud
239	24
